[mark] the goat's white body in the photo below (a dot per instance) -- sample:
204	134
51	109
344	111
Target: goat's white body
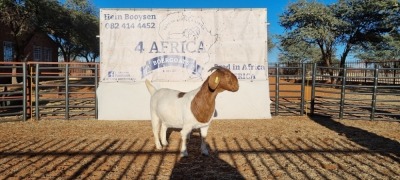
170	111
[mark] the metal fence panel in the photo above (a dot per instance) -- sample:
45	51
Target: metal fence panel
68	90
360	93
289	88
352	92
48	90
13	91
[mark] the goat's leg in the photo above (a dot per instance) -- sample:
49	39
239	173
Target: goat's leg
184	133
163	134
188	136
203	147
155	122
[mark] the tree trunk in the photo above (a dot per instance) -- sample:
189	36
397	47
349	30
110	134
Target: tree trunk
325	58
343	59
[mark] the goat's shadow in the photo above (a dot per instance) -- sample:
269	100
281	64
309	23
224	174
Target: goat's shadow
198	166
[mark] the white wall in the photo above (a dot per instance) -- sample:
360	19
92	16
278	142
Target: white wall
131	101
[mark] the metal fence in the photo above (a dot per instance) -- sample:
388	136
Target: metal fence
48	90
370	96
68	91
13	96
352	92
288	89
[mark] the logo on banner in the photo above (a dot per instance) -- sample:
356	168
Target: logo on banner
183	26
181	33
171	61
119	76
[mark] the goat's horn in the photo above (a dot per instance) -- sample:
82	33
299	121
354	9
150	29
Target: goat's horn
215	68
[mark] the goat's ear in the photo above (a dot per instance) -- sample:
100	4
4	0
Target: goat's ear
213	80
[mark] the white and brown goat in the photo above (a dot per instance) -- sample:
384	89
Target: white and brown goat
188	110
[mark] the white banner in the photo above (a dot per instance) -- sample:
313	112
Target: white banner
181	44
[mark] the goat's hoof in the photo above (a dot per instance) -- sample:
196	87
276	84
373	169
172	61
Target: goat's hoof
204	150
164	143
158	147
205	153
184	154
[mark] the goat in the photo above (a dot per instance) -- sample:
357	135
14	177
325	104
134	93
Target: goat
188	110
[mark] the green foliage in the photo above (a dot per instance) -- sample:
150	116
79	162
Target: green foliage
73	26
365	22
386	50
300	53
82	6
21	17
309	25
75	30
271	44
347	23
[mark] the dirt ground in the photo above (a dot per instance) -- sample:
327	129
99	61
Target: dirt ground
293	147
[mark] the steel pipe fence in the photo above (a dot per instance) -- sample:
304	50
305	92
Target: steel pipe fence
374	96
13	91
52	90
350	92
68	91
288	89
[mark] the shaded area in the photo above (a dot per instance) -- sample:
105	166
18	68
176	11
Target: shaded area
231	158
369	140
279	148
197	166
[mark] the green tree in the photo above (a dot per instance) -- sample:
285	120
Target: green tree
83	6
270	43
348	23
73	26
86	23
365	23
74	29
309	25
20	16
301	52
89	43
57	23
386	50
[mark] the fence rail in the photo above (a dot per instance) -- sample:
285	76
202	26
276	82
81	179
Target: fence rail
48	90
350	92
68	91
13	96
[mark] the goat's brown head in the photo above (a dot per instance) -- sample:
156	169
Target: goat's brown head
222	79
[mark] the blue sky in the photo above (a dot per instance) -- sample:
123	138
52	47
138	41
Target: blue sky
274	9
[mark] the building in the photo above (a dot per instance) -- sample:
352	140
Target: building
41	48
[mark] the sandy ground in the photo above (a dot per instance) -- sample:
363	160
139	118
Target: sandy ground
291	147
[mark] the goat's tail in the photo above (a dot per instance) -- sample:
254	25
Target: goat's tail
150	87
